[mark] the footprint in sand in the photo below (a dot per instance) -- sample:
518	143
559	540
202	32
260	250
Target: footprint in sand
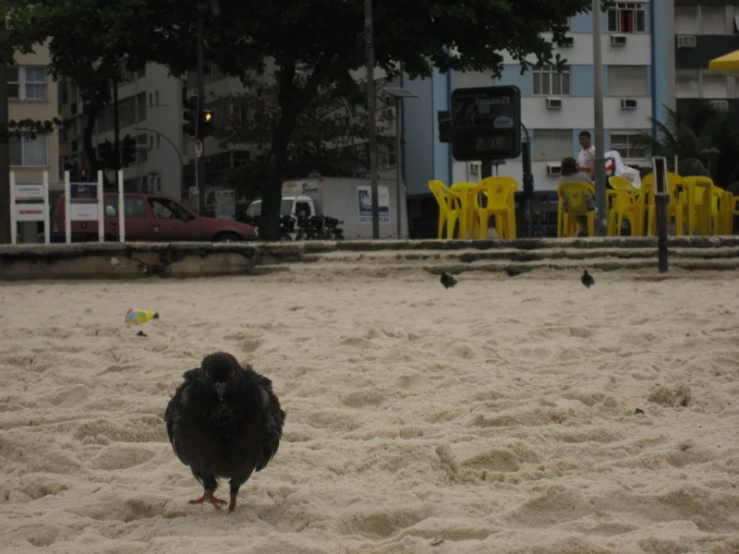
250	344
413	381
37	486
119	456
495	459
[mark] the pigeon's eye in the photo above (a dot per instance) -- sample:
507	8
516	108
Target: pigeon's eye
233	372
207	373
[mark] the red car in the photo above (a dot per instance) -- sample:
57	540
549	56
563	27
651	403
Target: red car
151	217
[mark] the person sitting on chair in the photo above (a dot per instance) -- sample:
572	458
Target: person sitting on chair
570	174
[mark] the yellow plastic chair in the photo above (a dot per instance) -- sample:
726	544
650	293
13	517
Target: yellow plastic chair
623	204
575	194
705	216
714	218
728	210
501	204
675	206
466	193
448	208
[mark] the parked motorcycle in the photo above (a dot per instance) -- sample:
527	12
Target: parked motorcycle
287	228
331	225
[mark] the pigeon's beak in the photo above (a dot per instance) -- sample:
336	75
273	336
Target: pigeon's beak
221	390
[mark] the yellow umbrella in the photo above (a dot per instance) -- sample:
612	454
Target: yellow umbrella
727	64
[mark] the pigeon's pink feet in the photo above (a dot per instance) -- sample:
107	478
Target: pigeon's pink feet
217	502
232	504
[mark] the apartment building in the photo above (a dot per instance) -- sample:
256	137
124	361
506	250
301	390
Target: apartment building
149	110
33	95
638	80
704	30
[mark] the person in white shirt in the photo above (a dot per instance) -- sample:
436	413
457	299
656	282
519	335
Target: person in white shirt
586	156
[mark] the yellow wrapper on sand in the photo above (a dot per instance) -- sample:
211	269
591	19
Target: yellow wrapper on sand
138	317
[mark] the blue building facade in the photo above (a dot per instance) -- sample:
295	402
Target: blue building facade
637	46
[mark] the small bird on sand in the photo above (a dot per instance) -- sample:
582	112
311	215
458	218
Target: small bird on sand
224	421
587	279
447	280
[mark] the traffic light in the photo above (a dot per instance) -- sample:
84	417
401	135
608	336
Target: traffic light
206	124
129	150
107	155
191	107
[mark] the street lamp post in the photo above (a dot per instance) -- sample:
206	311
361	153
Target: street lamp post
176	150
398	93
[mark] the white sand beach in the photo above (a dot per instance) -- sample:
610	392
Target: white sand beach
496	417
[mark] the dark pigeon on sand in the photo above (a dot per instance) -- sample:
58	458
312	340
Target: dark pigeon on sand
225	422
587	279
447	280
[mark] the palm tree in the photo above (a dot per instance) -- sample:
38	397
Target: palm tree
698	127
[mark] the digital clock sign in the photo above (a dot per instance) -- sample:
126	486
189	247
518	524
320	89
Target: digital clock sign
486	123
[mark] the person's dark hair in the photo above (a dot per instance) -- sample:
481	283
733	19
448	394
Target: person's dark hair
569	166
584	134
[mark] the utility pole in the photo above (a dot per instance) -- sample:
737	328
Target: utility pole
600	141
4	144
116	130
4	159
204	7
200	164
371	117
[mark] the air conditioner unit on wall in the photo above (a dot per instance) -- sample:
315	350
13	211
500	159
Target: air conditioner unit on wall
618	40
628	103
554	103
554	169
687	41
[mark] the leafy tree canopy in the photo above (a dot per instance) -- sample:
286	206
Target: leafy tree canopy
696	128
249	37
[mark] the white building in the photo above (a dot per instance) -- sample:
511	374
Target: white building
149	109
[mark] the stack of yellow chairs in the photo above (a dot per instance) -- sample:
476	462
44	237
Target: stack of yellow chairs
467	194
500	195
623	203
701	205
449	208
675	207
729	208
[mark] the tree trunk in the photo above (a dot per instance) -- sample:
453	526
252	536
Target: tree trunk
269	223
292	101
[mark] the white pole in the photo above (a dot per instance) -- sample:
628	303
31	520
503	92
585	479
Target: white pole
13	222
101	208
67	210
121	212
47	210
